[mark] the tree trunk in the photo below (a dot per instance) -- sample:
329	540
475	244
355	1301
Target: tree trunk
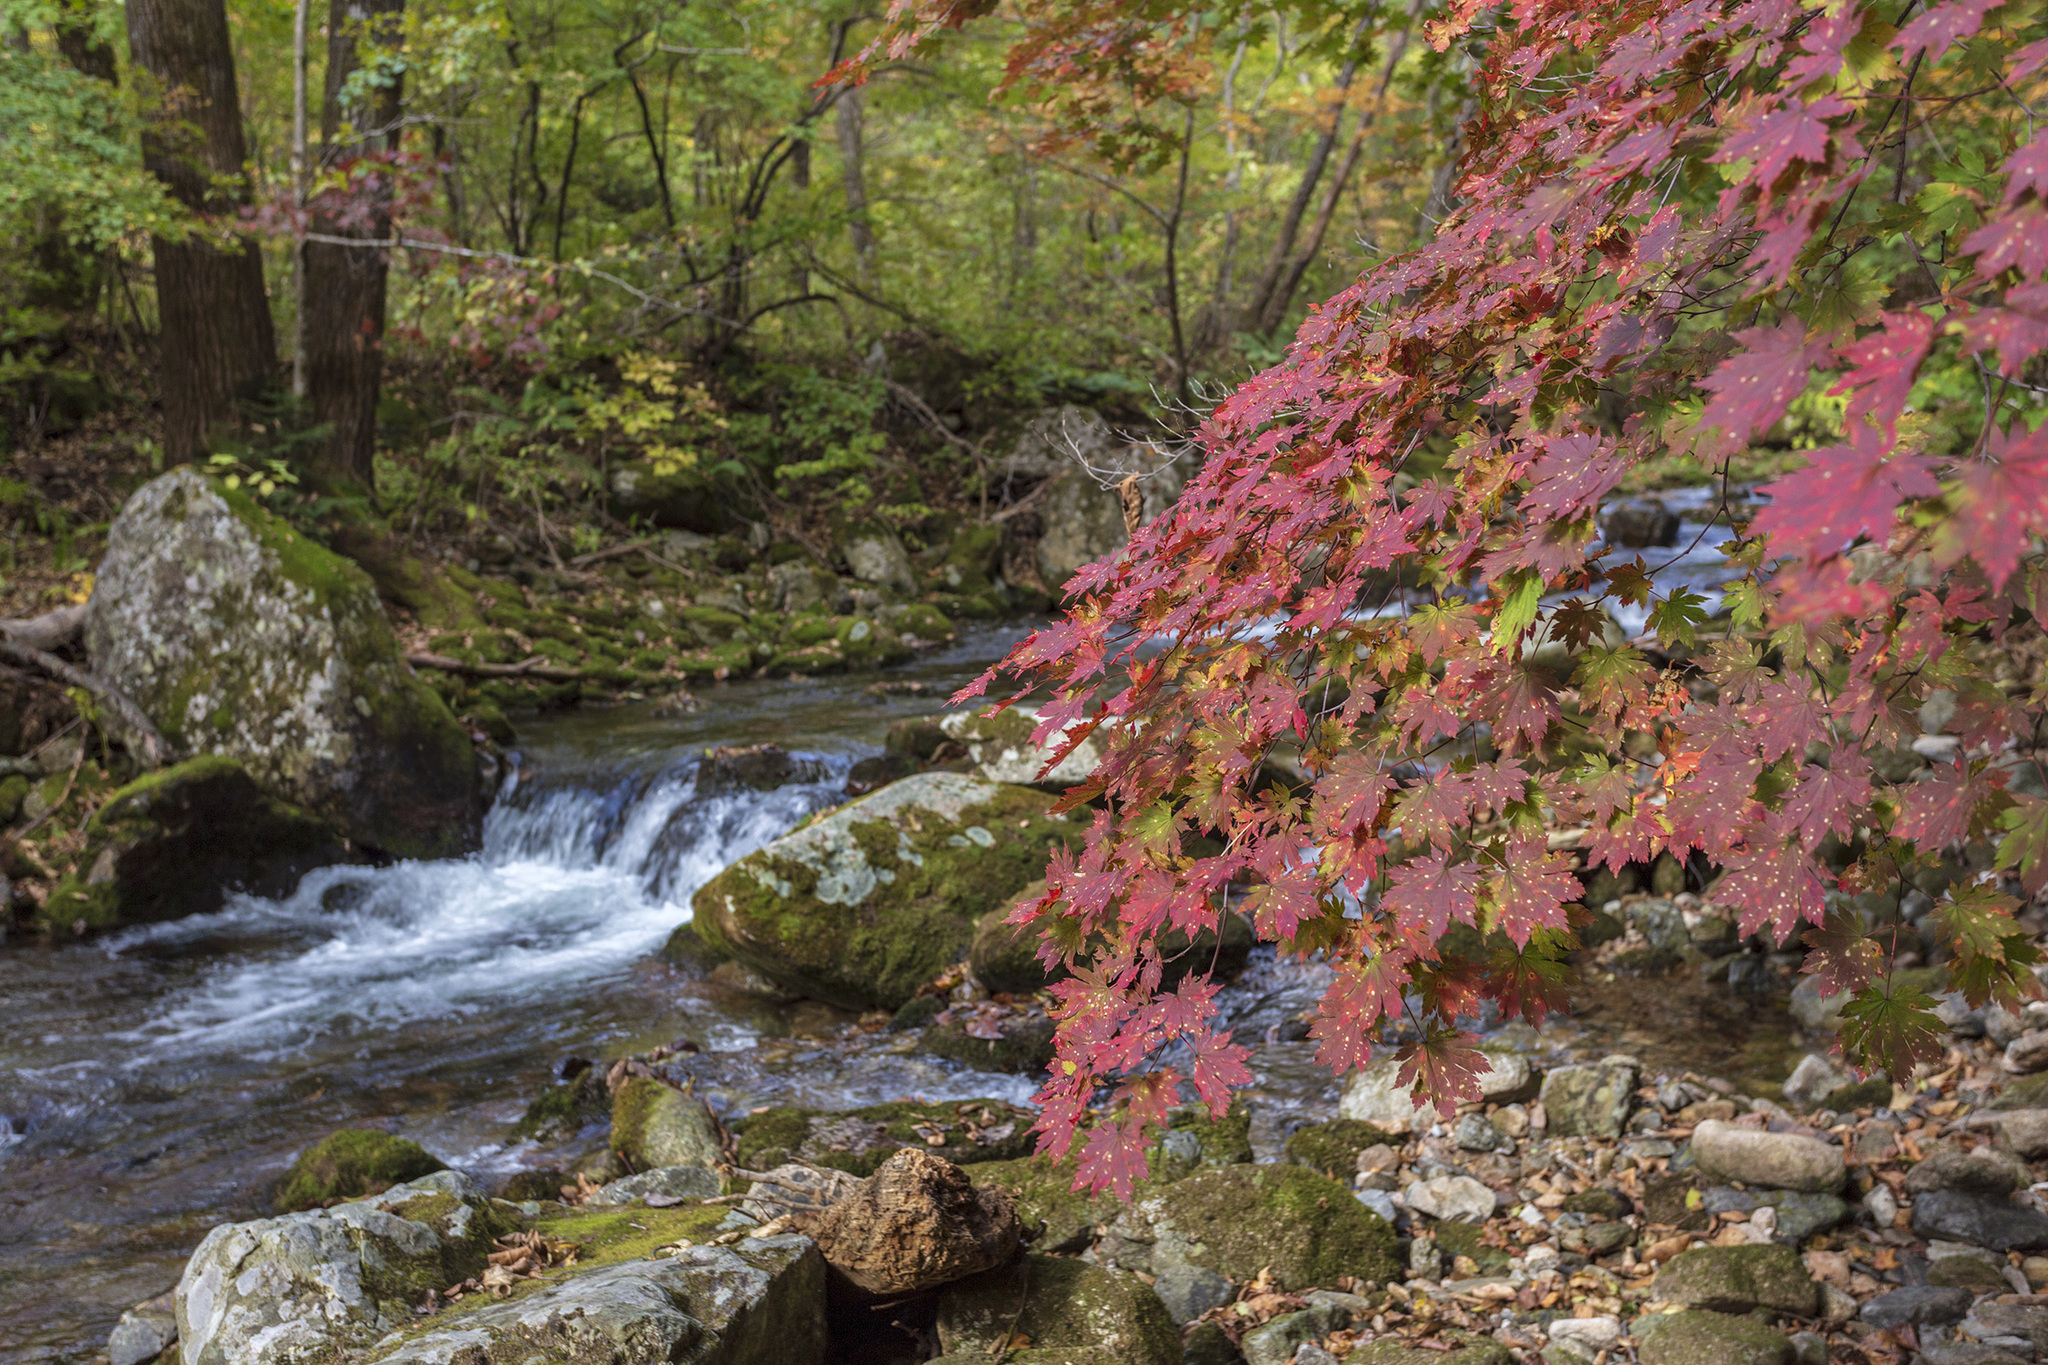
218	348
345	284
853	175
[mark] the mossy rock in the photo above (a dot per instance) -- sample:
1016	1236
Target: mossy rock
238	635
13	791
1057	1303
864	906
1004	956
924	621
1697	1338
1216	1142
171	843
712	625
1468	1350
1332	1148
1738	1279
566	1109
1457	1239
1065	1220
2028	1092
352	1164
1024	1049
867	643
658	1125
687	950
858	1141
1236	1220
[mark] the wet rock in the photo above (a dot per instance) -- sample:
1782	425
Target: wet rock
992	1040
1954	1216
282	1289
1986	1171
874	555
1815	1010
170	843
239	636
763	1299
875	772
1919	1305
144	1331
1783	1161
664	1183
1639	524
2013	1322
1738	1279
2025	1132
1059	1303
566	1109
655	1125
1590	1101
1237	1220
753	767
858	1141
864	906
2027	1053
1001	748
1450	1197
917	1223
1188	1291
1696	1338
351	1164
1812	1081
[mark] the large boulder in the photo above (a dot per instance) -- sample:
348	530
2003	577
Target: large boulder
1738	1279
1001	748
170	843
915	1224
761	1300
1081	512
656	1125
876	556
864	906
1057	1302
238	635
1236	1220
280	1290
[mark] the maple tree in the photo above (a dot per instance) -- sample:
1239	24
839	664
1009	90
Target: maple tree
1677	225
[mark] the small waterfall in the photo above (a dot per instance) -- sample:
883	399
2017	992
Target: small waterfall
577	881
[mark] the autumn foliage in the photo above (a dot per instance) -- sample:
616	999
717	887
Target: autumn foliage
1676	223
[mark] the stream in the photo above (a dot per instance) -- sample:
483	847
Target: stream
159	1081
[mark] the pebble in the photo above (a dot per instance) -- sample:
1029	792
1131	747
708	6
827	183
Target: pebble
1599	1334
1475	1134
1451	1196
1783	1161
1919	1305
1882	1206
2025	1132
2027	1053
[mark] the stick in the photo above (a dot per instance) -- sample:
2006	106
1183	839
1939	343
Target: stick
611	552
147	742
525	668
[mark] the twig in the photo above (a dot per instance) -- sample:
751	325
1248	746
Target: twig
525	668
610	552
146	740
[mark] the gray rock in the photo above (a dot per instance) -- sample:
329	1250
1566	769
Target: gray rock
1375	1095
1277	1342
1986	1171
663	1182
1738	1279
875	555
1996	1223
1919	1305
1476	1134
144	1331
1784	1161
1451	1198
1508	1077
1084	521
2025	1132
1002	750
239	636
1661	923
794	587
1811	1082
1697	1338
2027	1053
1808	1348
1965	1353
1060	1304
1813	1009
1639	523
277	1290
2017	1322
1425	1259
1383	1204
1590	1101
762	1299
1188	1291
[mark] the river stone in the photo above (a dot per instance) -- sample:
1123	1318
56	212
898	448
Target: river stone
144	1331
1781	1161
1639	523
762	1299
2025	1132
171	842
2027	1053
1188	1291
671	1183
1589	1101
1084	521
1799	1214
1920	1305
351	1164
1955	1216
2027	1322
237	635
2028	1092
1813	1080
1813	1009
1375	1094
1449	1197
1986	1171
1058	1302
875	555
915	1224
1291	1336
1696	1338
864	906
1237	1220
1001	748
657	1125
329	1280
1737	1279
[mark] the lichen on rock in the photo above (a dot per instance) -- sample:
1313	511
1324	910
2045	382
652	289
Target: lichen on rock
865	905
238	635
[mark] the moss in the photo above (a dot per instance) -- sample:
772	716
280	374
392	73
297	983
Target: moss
1694	1338
690	951
1333	1147
1307	1227
860	1140
924	621
866	905
813	631
1225	1141
1024	1049
352	1164
658	1125
566	1109
13	791
1468	1351
712	625
1047	1203
1063	1304
1463	1239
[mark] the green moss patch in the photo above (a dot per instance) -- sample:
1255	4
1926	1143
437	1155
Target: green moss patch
1307	1227
860	1140
353	1164
1332	1148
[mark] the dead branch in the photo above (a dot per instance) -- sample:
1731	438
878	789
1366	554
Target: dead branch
140	734
535	667
50	631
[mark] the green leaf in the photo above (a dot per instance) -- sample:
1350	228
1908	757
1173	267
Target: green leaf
1892	1028
1679	616
1517	611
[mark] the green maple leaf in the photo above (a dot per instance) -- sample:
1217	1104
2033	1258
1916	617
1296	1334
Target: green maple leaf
1892	1028
1679	616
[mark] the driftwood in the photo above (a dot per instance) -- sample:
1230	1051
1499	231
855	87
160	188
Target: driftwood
535	667
139	734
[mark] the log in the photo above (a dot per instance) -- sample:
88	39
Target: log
140	735
535	667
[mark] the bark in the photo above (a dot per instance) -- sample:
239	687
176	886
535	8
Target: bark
853	176
345	284
218	347
915	1224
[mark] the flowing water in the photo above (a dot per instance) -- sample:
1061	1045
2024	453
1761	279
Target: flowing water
157	1082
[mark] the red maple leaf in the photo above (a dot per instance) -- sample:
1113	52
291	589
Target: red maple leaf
1533	890
1792	130
2027	169
1840	954
1843	493
1942	27
1424	896
1752	390
1440	1070
1886	362
2016	238
1829	799
2000	506
1937	813
1360	995
1773	885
